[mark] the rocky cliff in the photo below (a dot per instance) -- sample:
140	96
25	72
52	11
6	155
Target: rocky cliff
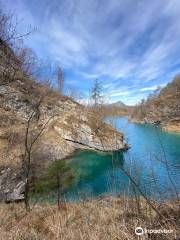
70	128
34	116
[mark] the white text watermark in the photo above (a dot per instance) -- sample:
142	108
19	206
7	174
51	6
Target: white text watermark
140	231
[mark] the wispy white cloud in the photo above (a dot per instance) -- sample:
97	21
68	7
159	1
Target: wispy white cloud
88	75
130	43
118	92
155	87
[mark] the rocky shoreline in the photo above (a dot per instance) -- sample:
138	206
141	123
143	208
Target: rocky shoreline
173	127
167	126
69	130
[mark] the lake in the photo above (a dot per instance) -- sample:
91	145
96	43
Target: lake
153	161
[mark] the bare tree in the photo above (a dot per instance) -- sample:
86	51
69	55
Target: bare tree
8	29
60	80
33	132
13	56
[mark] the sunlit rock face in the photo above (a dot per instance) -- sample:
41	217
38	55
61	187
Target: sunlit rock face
69	129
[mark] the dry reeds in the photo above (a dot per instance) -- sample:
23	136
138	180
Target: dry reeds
109	218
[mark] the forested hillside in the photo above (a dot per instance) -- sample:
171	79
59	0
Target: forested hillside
162	107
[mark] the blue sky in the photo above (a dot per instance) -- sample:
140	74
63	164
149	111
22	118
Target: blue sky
131	46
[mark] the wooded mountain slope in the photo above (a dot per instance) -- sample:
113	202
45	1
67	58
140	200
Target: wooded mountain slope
163	107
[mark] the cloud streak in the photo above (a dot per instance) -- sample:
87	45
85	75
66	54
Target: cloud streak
152	88
133	44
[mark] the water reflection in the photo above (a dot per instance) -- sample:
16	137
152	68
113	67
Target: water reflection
152	151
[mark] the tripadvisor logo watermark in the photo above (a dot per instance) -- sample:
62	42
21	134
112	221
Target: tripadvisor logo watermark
140	231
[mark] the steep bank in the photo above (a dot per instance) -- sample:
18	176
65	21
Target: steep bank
71	127
162	107
37	121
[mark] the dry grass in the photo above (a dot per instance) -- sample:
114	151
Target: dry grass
108	219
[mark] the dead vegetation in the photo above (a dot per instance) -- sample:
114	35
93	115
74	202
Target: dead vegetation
111	218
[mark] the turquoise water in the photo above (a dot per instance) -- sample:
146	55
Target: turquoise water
153	160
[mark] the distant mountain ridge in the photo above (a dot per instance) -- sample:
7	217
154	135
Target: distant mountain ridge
118	109
118	104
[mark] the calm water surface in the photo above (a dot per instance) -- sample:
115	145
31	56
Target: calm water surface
153	160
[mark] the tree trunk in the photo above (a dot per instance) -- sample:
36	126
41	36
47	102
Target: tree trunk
58	193
26	193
